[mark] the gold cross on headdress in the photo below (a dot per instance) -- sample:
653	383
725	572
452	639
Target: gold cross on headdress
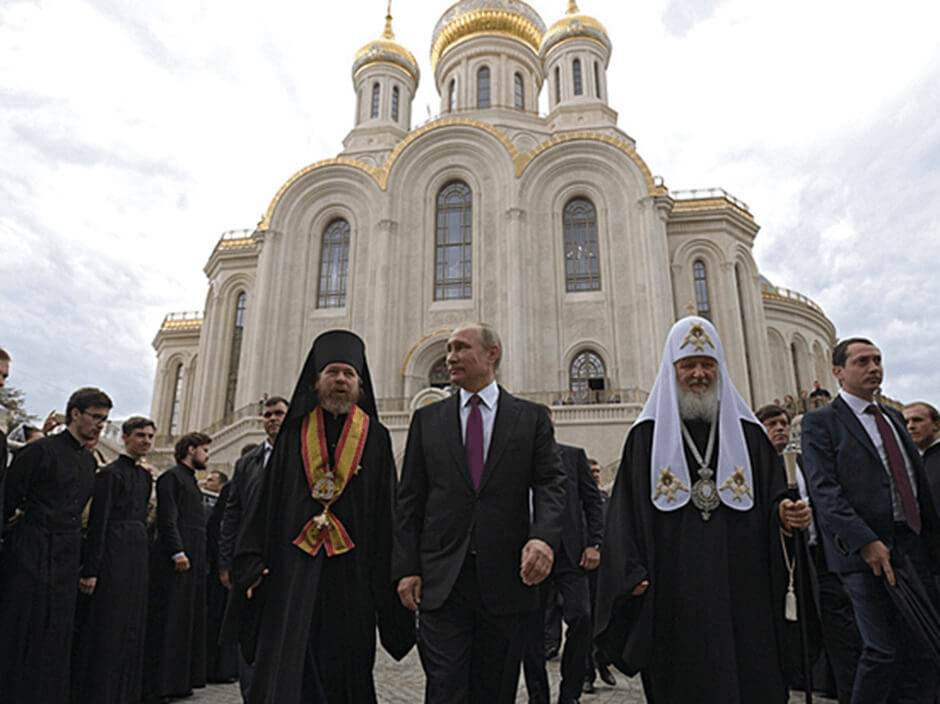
668	484
737	482
698	338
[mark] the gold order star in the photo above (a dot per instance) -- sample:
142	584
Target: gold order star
698	338
737	482
668	484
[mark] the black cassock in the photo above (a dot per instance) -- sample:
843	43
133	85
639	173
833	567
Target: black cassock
316	616
708	628
221	660
176	625
51	480
109	650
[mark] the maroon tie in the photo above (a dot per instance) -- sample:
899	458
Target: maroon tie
896	460
475	441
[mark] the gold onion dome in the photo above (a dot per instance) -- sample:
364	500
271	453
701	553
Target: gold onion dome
386	50
468	18
574	24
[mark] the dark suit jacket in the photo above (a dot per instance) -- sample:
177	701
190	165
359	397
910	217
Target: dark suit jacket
849	485
582	521
932	468
242	499
440	518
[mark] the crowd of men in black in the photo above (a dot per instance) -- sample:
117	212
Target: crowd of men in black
153	560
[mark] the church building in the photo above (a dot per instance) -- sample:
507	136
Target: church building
549	226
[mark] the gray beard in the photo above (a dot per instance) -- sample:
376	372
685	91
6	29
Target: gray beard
693	406
335	406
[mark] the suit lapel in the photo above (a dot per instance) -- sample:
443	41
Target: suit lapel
851	421
507	413
454	437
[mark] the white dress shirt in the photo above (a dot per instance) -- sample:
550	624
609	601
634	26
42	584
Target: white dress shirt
489	400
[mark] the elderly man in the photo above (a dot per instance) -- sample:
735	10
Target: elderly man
49	482
874	509
317	548
467	552
686	591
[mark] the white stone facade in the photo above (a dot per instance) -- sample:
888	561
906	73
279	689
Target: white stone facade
522	170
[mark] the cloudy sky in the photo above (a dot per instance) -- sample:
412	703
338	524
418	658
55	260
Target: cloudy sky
132	134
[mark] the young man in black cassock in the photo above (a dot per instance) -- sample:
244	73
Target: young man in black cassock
686	590
315	555
109	650
50	481
176	625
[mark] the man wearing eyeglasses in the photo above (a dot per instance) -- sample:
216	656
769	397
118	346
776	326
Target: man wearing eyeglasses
48	485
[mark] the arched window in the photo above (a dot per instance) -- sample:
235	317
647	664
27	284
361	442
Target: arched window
238	330
557	84
176	400
576	74
519	88
453	242
587	378
581	263
452	95
439	377
597	81
701	289
375	100
483	87
395	104
334	261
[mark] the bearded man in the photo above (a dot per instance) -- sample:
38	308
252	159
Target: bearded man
686	590
314	560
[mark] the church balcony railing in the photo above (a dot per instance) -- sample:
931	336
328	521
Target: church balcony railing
785	294
709	194
185	320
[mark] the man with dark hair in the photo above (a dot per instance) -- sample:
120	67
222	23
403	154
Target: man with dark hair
109	653
242	501
468	548
314	557
874	510
176	626
689	592
50	481
923	423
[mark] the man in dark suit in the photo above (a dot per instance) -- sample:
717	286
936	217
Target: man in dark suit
242	501
581	538
923	424
874	507
466	556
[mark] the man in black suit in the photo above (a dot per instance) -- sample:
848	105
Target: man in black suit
581	538
243	493
466	556
923	424
874	507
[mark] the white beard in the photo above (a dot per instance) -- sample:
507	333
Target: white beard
694	406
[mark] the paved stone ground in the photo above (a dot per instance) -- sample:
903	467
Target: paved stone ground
403	683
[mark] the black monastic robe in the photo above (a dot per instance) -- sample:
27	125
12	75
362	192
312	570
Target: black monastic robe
176	626
221	660
51	480
109	651
708	628
316	631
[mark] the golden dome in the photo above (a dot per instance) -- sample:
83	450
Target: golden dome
574	24
512	18
386	50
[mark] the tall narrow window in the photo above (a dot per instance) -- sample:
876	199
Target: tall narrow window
576	75
375	100
175	405
701	289
238	330
519	88
581	265
334	261
395	104
483	87
557	85
597	81
587	378
452	95
453	242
